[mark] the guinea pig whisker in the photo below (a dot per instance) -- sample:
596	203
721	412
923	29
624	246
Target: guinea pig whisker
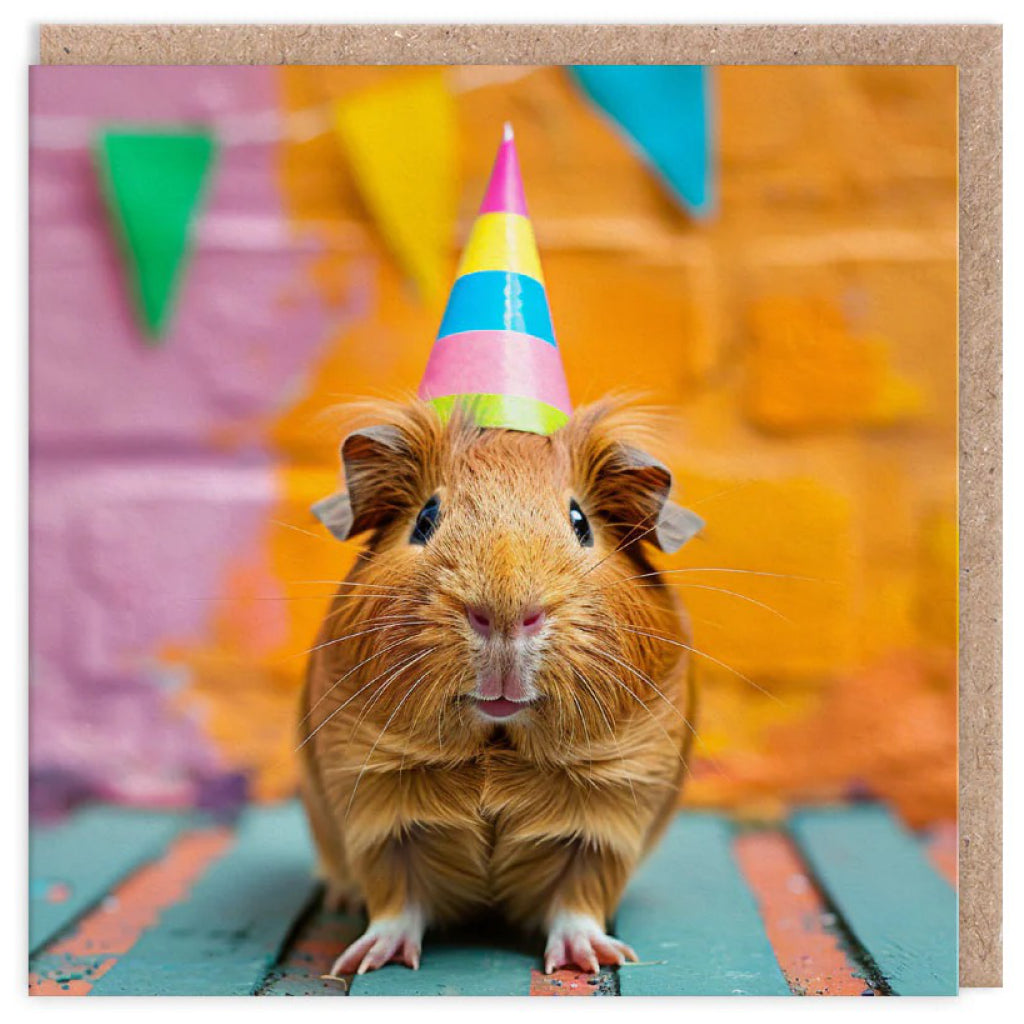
743	572
416	721
344	609
380	736
327	596
622	686
402	666
378	693
597	700
341	707
299	529
694	586
391	623
267	597
709	657
650	682
698	739
607	721
710	623
339	681
629	539
590	745
720	590
440	721
611	732
344	583
752	572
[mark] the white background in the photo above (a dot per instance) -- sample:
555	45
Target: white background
19	48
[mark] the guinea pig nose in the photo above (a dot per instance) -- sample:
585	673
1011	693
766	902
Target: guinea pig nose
532	620
479	619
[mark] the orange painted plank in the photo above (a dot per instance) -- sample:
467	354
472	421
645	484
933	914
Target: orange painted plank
72	965
73	864
573	983
796	918
317	943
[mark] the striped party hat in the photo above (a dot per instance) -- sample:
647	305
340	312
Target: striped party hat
495	352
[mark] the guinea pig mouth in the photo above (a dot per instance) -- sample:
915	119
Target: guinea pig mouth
500	708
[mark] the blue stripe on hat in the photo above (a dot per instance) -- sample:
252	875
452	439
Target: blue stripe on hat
496	300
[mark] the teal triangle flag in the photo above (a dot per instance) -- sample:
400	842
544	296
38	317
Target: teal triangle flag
153	182
663	111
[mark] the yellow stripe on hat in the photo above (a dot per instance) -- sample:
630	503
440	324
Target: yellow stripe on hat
502	241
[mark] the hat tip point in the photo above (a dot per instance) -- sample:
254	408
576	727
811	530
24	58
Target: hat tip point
507	134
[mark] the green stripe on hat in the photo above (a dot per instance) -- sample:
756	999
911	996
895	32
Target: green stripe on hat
510	412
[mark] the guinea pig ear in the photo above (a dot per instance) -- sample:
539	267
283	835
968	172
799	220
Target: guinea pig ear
676	525
372	458
645	483
335	512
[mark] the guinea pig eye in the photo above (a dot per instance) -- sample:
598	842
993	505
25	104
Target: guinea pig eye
426	521
580	525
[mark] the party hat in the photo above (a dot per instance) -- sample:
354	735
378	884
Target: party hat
495	352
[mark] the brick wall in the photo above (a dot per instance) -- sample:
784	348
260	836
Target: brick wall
803	339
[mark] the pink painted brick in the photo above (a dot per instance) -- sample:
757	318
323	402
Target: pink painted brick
129	557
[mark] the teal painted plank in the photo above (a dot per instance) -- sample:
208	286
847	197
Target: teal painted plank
225	938
463	964
895	903
690	907
73	864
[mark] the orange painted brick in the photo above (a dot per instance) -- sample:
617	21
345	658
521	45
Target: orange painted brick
889	730
937	596
652	331
912	302
769	579
807	372
818	147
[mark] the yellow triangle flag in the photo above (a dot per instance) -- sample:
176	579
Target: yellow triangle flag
400	142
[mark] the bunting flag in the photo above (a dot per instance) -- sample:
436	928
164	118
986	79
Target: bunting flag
400	141
153	182
495	352
664	111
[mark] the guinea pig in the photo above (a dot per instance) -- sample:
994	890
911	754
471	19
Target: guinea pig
499	706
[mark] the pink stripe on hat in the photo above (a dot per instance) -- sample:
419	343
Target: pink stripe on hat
505	190
497	363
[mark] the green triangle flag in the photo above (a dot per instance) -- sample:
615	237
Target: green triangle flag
153	183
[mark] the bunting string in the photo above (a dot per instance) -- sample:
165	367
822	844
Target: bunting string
258	127
399	141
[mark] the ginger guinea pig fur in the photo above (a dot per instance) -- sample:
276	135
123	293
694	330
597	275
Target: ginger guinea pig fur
497	711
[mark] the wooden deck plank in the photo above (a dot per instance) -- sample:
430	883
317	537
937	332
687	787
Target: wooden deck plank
692	920
74	864
225	938
461	963
468	962
892	899
79	958
800	926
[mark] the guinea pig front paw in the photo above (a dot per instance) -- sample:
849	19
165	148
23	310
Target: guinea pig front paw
577	940
387	939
